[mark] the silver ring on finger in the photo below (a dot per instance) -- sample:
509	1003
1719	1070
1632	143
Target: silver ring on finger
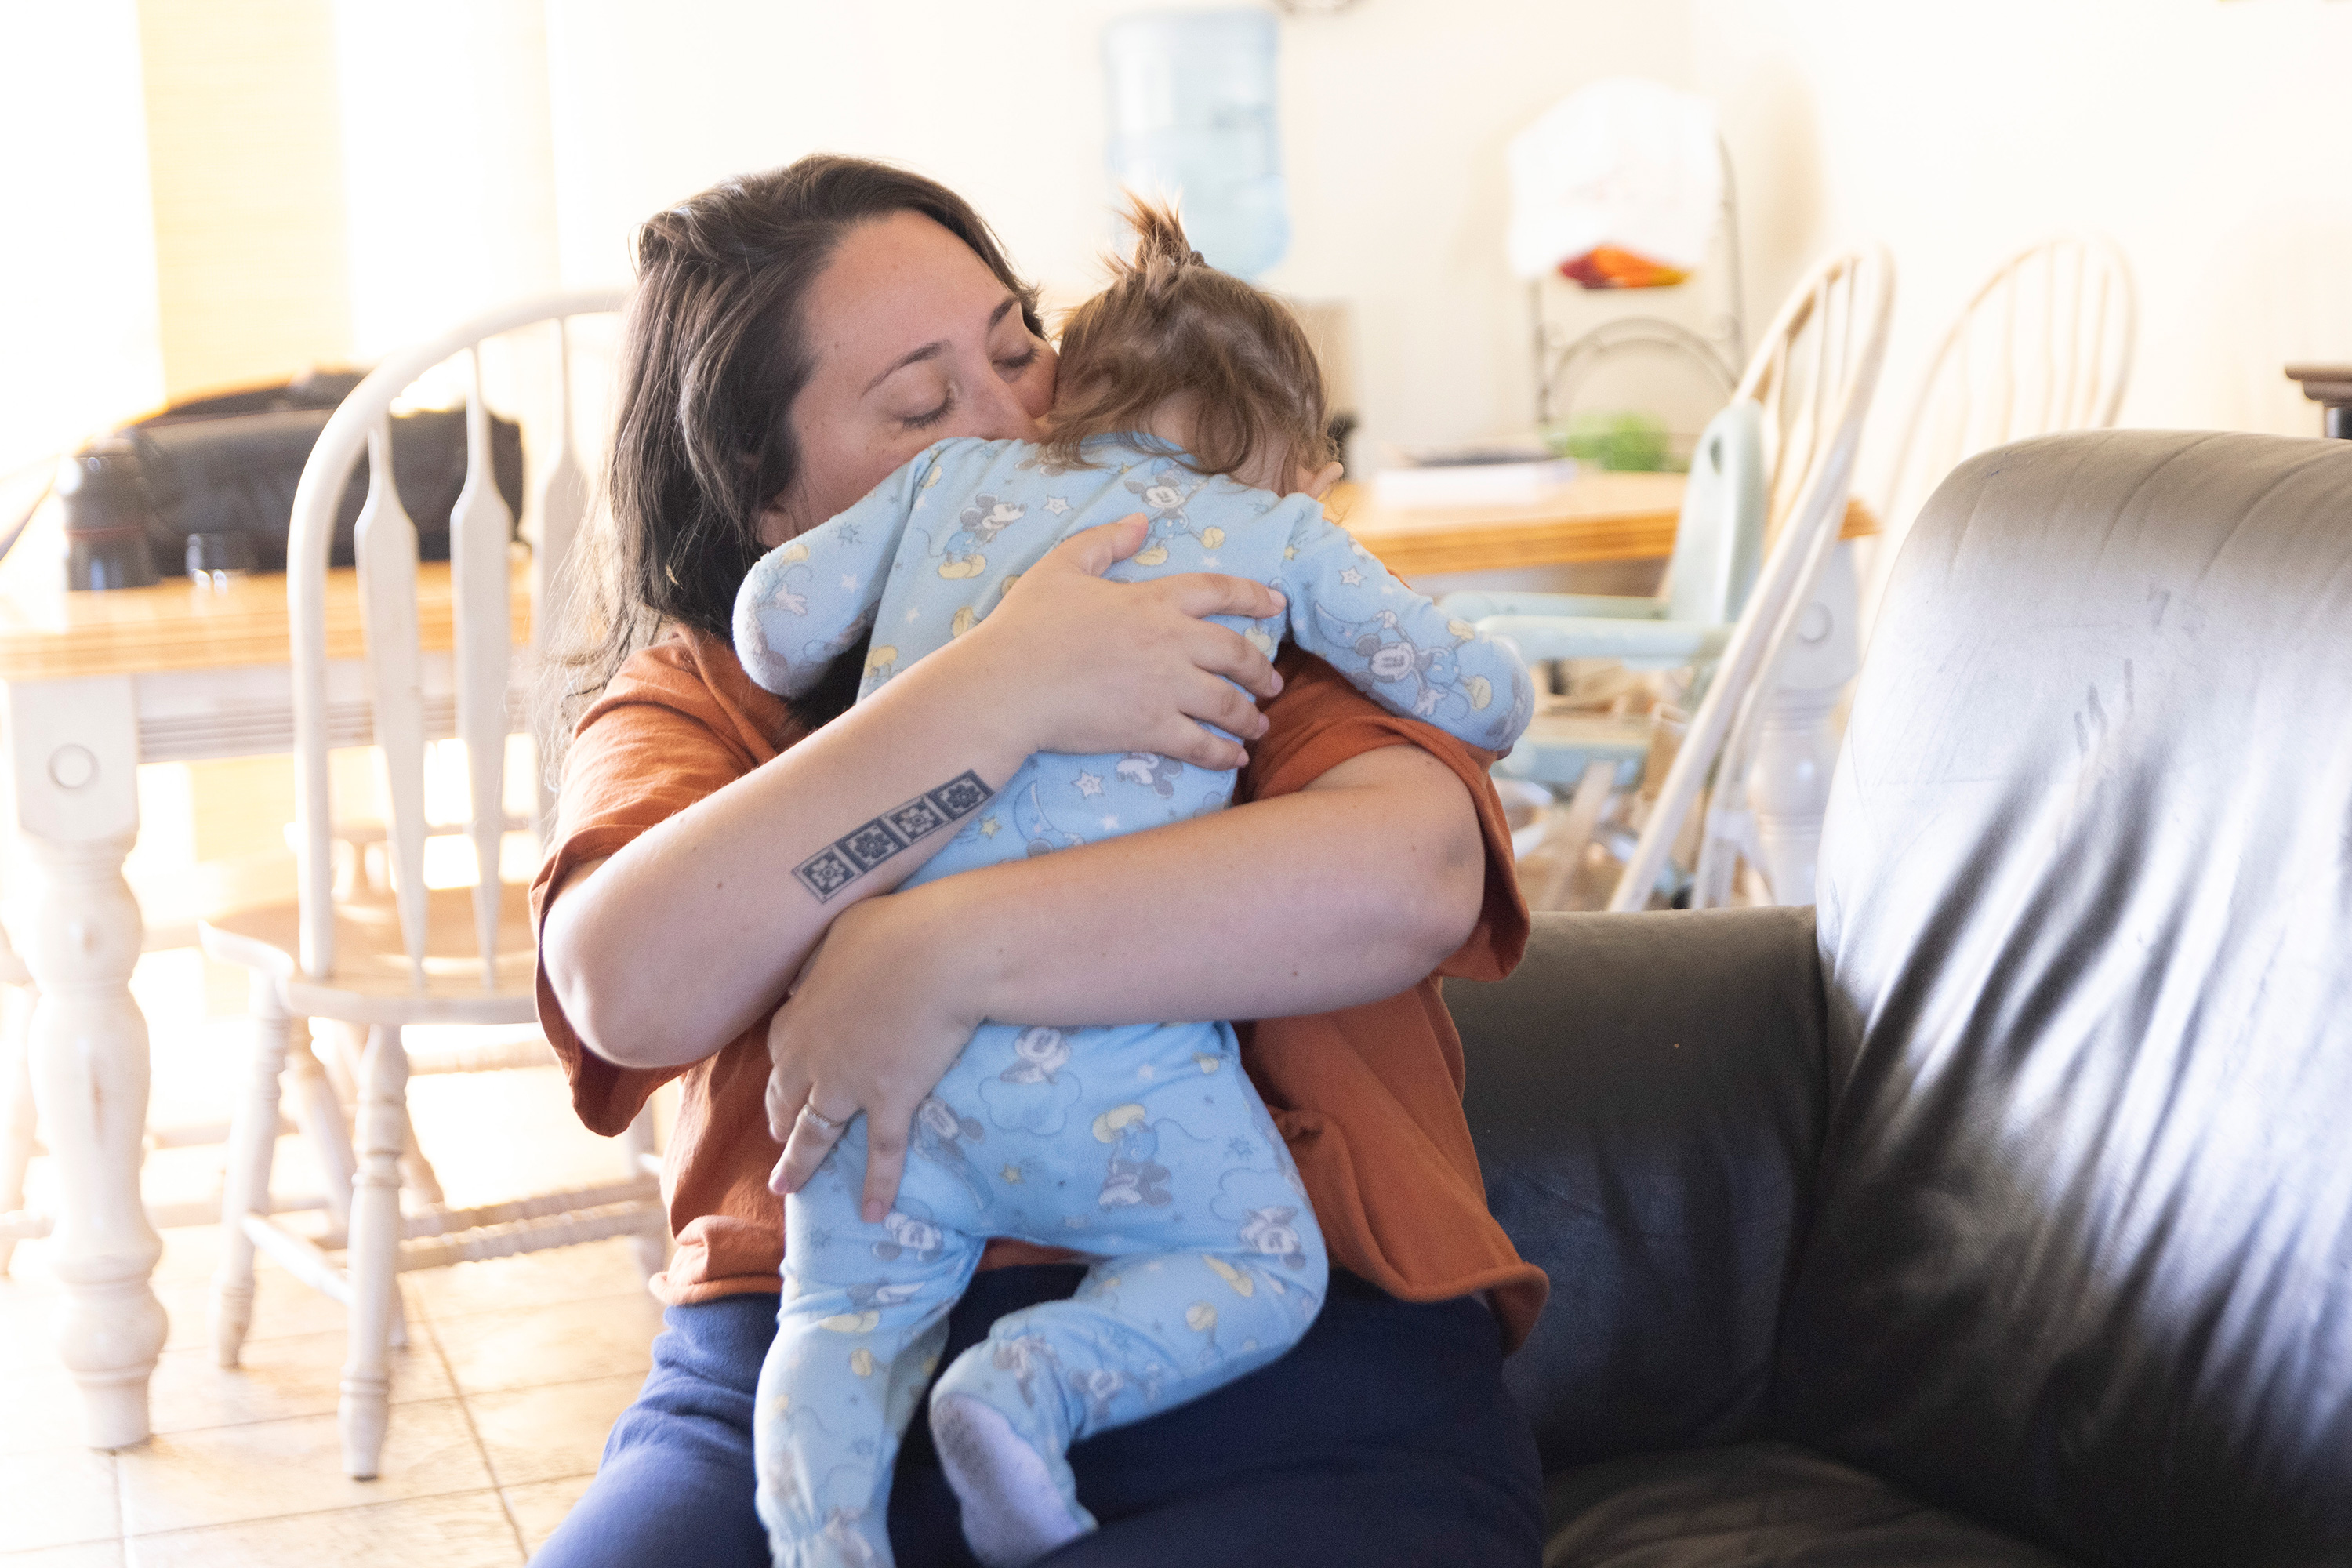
823	1121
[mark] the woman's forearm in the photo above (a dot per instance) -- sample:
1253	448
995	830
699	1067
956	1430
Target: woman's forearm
690	933
1273	909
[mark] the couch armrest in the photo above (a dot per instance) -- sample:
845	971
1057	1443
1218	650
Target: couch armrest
1647	1095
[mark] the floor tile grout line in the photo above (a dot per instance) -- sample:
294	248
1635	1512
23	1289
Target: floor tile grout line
473	1430
299	1514
342	1508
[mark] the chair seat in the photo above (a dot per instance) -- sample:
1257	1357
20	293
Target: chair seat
1751	1505
372	982
1558	747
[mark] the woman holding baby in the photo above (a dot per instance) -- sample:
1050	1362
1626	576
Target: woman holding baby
795	337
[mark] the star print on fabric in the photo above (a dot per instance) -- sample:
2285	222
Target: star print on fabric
913	615
1145	1072
1056	505
1090	785
1208	561
846	532
1111	823
1352	576
847	581
989	826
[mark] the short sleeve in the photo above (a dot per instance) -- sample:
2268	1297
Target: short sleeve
663	736
1320	721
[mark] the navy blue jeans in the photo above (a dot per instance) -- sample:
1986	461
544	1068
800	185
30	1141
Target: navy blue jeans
1385	1438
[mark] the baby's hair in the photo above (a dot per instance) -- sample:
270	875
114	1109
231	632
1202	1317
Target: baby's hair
1171	325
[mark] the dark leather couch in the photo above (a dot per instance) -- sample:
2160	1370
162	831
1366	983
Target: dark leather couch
2001	1213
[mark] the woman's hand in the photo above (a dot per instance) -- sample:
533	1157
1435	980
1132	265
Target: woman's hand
877	1018
1088	666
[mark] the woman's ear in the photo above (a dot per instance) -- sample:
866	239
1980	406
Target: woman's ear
1320	484
773	524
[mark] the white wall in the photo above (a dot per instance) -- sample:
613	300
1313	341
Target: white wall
2208	138
447	166
78	342
1394	116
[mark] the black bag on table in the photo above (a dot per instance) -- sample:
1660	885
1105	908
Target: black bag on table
228	465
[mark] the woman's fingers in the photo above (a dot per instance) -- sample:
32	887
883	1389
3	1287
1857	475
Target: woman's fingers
886	1158
812	1138
1097	550
1214	593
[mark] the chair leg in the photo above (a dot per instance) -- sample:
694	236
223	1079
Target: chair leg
252	1148
320	1113
373	1254
16	1121
417	1171
637	1143
1569	840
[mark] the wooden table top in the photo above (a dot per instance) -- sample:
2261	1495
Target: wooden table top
48	634
1597	516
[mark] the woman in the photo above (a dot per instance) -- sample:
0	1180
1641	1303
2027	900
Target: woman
796	336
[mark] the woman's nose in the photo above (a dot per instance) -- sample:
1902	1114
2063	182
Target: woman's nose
1000	413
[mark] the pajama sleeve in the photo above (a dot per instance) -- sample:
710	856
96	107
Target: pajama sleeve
1394	644
812	598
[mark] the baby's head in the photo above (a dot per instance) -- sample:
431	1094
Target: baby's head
1179	350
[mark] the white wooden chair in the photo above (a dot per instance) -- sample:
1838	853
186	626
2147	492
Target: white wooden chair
2044	345
1763	731
461	955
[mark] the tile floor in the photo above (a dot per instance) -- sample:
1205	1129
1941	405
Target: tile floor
514	1371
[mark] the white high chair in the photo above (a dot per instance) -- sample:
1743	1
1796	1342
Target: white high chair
1805	393
1717	543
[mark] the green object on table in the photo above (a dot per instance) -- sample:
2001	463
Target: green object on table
1626	442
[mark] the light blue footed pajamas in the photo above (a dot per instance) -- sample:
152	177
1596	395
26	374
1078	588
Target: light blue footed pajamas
1143	1145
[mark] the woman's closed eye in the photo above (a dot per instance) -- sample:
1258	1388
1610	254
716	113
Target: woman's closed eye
1012	368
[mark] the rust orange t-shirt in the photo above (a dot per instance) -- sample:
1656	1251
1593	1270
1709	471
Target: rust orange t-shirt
1368	1098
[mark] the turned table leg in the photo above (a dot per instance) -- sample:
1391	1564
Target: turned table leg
1796	741
73	751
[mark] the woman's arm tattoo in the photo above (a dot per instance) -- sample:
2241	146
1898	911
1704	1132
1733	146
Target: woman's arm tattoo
862	848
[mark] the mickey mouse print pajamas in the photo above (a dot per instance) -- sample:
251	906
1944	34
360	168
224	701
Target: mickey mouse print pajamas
1144	1146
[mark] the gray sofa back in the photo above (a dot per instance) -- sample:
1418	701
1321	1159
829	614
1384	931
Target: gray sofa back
2079	1259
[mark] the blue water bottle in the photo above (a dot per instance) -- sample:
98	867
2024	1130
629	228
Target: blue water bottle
1193	115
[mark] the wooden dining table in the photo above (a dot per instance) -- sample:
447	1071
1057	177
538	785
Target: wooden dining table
94	684
1595	517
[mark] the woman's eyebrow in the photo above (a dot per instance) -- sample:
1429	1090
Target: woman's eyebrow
937	347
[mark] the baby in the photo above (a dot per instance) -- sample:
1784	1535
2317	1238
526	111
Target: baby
1144	1146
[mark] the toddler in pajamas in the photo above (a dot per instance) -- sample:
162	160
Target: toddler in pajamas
1143	1146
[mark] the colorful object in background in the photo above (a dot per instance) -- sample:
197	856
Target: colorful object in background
1608	266
1619	186
1191	115
1624	443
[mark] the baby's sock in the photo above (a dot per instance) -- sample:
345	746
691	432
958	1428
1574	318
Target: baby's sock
1014	1511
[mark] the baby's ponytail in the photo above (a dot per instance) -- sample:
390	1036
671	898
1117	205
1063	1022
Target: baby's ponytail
1172	325
1162	252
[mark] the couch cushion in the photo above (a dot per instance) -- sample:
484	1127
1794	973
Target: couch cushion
1646	1093
1768	1505
2082	1254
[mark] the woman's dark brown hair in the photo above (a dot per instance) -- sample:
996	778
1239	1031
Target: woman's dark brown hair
1171	325
714	351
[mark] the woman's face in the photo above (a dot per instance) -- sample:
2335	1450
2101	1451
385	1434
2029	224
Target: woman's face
915	340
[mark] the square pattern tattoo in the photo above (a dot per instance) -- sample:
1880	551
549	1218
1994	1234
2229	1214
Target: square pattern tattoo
826	872
862	848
